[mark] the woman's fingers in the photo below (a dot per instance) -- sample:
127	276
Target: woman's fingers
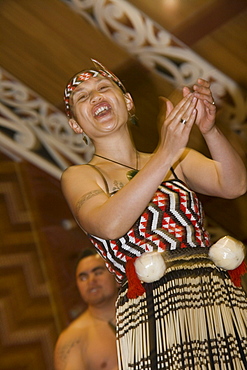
202	91
183	112
210	106
186	91
183	104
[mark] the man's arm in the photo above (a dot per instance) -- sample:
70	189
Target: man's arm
67	355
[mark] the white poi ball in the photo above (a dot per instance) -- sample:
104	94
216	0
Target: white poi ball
150	266
227	253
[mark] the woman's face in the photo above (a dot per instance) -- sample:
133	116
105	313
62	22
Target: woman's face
99	106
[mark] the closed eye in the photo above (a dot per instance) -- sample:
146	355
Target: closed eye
104	87
82	97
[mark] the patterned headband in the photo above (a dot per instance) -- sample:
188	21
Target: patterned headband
84	76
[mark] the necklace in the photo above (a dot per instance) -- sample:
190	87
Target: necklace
131	173
112	326
110	323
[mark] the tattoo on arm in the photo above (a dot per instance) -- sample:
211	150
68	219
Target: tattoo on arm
86	197
65	350
117	185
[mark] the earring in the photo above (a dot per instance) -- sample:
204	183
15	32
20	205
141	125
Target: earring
85	139
133	119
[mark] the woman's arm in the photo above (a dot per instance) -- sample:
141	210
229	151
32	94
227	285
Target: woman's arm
111	217
225	175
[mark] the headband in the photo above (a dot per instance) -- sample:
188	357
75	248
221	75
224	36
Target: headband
84	76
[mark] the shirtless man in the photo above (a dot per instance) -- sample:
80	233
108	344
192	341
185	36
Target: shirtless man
89	341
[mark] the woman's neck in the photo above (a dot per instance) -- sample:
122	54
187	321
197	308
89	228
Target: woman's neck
117	151
117	147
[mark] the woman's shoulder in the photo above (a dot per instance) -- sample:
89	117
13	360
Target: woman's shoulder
83	177
76	170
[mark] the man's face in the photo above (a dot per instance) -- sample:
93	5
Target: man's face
95	283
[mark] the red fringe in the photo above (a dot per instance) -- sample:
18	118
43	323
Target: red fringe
136	288
236	274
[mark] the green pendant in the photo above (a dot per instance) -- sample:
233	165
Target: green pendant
130	174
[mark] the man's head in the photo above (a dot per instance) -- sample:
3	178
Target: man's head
95	283
78	78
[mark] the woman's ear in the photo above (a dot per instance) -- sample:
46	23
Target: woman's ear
129	101
75	127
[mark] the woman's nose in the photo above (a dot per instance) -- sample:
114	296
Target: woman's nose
96	96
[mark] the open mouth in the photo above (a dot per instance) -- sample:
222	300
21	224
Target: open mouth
102	110
94	290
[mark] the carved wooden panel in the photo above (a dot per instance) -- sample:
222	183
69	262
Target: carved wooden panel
39	244
27	318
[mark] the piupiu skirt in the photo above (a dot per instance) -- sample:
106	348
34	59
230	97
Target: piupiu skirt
192	318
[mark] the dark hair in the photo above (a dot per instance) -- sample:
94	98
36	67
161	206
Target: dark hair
85	253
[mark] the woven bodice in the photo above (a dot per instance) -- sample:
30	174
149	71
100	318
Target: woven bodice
172	222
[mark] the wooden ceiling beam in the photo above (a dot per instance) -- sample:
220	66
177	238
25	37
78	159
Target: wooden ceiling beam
208	20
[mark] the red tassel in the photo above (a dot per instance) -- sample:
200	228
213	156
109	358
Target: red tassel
236	274
136	289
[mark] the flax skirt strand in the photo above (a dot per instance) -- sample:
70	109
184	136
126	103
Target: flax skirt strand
193	318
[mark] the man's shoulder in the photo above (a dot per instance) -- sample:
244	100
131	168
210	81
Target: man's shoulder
70	337
76	327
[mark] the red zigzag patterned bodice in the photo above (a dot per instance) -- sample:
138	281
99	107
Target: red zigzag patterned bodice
173	221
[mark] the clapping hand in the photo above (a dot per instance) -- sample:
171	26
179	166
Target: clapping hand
205	107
